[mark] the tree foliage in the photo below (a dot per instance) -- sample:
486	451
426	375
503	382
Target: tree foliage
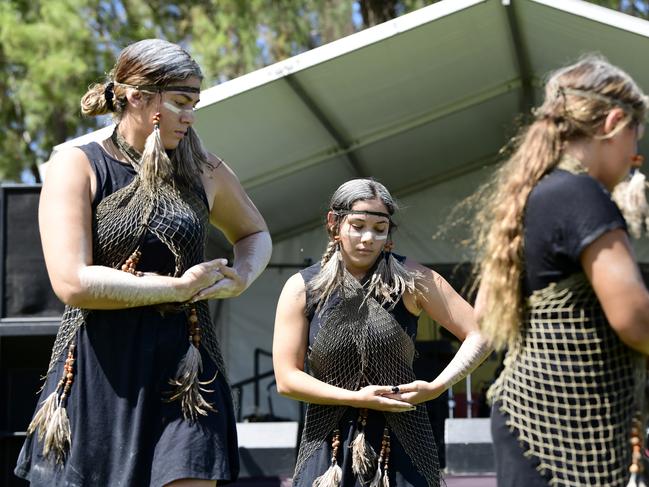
52	50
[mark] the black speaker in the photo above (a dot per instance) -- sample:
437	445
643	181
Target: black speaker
29	317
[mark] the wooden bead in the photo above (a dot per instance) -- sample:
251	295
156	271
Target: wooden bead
634	468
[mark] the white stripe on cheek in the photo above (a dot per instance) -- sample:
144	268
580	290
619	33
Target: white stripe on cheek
374	235
171	107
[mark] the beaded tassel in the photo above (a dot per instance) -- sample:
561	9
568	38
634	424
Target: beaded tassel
381	477
331	478
188	387
636	456
51	421
131	263
363	455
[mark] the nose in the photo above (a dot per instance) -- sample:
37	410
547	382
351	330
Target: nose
187	117
367	237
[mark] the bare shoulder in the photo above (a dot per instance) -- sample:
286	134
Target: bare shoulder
70	158
295	287
424	275
216	168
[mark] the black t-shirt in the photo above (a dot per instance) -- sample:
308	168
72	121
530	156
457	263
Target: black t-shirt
564	214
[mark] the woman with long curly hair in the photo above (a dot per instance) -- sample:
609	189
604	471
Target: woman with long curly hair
560	288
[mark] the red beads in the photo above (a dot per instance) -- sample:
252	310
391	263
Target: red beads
131	263
194	328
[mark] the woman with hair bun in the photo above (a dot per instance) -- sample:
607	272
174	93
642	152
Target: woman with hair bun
136	392
353	317
560	287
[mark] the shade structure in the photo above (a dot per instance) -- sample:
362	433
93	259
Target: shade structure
423	103
415	102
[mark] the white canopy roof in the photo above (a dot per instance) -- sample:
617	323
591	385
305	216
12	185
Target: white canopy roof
417	101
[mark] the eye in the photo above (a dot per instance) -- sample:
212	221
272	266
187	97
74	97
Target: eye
357	226
183	105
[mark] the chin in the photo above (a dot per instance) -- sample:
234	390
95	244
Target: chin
170	146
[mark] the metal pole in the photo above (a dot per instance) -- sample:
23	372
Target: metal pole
469	397
451	403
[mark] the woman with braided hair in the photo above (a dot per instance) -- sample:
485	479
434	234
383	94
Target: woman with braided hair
136	392
353	317
560	287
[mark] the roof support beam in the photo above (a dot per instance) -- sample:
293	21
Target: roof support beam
344	145
521	54
399	127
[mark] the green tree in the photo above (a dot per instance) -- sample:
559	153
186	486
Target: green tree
51	50
637	8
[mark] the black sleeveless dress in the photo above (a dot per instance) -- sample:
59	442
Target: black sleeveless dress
402	472
123	433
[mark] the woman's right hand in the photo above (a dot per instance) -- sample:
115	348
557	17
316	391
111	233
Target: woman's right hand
201	276
374	397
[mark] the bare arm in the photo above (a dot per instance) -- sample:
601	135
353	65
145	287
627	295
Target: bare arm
236	216
612	270
289	351
443	304
65	228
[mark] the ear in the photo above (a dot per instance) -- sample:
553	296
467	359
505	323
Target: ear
134	97
614	117
331	221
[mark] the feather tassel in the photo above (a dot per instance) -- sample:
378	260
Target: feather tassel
57	437
363	456
636	481
390	280
331	478
156	165
43	416
333	475
376	481
189	387
631	198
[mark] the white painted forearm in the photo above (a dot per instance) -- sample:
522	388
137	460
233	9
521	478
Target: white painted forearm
251	255
105	288
473	351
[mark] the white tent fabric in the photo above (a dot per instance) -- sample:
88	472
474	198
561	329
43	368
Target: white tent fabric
423	103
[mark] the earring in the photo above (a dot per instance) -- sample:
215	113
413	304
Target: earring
389	245
156	119
637	159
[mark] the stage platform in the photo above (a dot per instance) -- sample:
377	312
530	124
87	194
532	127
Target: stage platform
268	450
451	481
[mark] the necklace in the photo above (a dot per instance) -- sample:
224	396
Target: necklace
571	164
131	153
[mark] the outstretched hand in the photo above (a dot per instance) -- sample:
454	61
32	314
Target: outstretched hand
230	285
379	398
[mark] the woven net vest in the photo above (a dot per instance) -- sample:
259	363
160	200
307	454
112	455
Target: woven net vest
570	388
360	343
175	215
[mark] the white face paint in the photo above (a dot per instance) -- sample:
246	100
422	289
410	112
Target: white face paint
177	110
367	234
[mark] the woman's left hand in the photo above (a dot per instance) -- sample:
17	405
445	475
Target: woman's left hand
416	392
230	286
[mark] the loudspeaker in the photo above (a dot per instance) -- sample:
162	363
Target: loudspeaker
25	289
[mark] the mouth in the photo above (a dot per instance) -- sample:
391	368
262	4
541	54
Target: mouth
179	133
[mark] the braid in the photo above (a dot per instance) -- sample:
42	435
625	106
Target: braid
329	251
